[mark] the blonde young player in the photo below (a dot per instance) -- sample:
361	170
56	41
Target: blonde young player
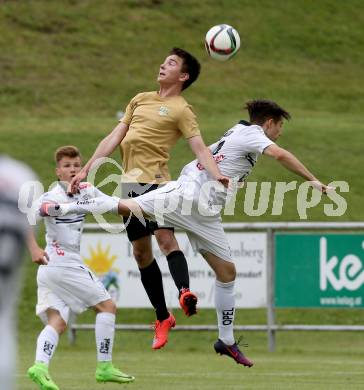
195	200
65	283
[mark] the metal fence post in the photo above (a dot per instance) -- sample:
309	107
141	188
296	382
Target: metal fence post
71	330
271	333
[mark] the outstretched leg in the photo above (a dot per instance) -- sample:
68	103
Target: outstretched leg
100	205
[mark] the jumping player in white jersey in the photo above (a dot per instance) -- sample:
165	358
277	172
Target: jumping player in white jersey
65	283
195	200
13	232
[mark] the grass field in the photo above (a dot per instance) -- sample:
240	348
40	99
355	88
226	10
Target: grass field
67	67
303	360
319	361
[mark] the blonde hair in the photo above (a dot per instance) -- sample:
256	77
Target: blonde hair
66	151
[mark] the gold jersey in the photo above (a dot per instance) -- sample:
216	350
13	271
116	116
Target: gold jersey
155	125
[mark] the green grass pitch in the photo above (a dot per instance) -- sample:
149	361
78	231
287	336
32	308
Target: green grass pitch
303	360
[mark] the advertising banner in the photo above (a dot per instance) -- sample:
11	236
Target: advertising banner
319	270
110	257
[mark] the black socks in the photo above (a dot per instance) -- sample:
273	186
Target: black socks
152	281
178	268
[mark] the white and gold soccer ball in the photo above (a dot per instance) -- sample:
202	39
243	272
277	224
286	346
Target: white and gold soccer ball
222	42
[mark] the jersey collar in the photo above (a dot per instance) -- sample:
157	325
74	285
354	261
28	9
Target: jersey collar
244	122
63	185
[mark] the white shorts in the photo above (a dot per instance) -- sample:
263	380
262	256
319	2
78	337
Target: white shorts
205	232
68	288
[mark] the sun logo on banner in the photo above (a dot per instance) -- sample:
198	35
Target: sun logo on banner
101	262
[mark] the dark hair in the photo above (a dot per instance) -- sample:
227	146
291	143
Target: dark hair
66	151
262	110
190	65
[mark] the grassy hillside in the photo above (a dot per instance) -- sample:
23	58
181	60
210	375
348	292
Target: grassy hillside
67	67
74	58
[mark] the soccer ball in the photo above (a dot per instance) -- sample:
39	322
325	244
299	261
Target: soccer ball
222	42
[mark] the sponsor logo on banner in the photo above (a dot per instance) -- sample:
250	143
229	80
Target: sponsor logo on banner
100	259
350	270
319	270
110	256
338	274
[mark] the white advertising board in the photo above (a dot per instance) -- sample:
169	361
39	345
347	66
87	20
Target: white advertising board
110	257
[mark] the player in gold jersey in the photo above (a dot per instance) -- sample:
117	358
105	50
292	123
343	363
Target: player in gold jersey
152	124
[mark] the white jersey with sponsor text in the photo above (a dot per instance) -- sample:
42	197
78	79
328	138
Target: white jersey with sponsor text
63	234
235	153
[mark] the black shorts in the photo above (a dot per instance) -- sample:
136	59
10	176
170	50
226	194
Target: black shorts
135	229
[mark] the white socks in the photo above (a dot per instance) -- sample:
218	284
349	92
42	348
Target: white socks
46	344
104	333
225	309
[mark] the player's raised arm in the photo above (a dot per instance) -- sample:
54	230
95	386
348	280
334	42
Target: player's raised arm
205	157
293	164
104	149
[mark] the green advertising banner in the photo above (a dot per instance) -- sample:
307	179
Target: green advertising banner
319	270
